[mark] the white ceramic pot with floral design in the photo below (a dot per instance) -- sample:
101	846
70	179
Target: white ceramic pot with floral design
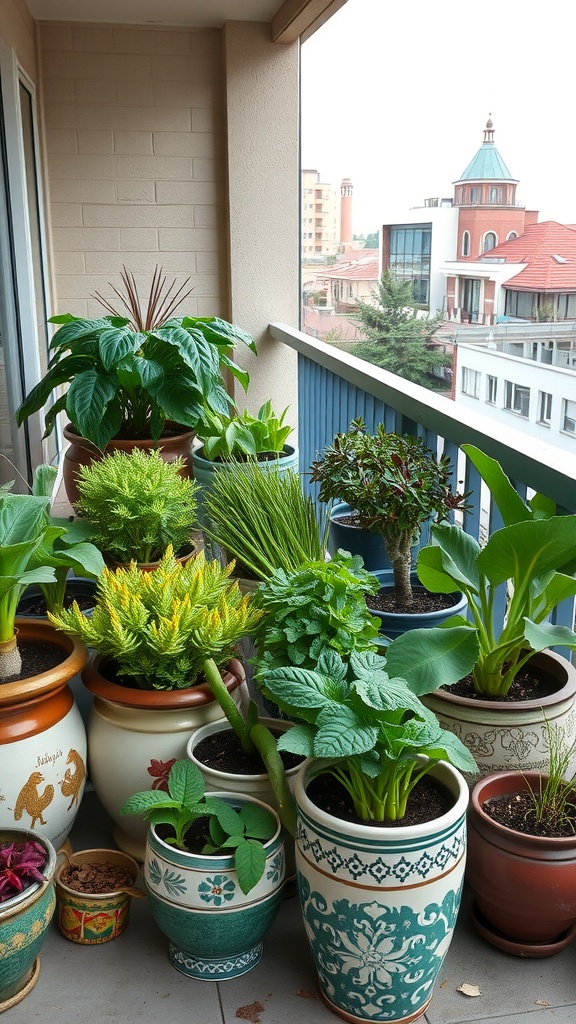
379	904
216	931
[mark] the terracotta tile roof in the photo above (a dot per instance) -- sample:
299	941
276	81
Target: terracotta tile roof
362	269
537	247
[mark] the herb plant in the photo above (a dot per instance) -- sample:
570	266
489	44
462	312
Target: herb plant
127	375
262	518
137	504
533	556
243	831
395	483
241	435
378	734
20	866
165	628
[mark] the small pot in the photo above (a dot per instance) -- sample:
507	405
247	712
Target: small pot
91	918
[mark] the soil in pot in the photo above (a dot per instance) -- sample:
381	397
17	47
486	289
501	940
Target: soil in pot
423	601
517	811
223	752
428	800
95	878
37	658
533	682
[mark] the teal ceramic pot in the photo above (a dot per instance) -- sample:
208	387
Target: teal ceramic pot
215	931
23	923
393	624
379	904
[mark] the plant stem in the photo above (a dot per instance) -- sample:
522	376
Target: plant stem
266	745
226	702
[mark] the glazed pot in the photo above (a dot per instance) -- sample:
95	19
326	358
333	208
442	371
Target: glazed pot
43	739
512	735
379	904
216	931
353	538
134	737
93	918
393	624
524	886
176	441
24	920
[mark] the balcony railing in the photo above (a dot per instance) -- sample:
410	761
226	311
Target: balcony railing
335	388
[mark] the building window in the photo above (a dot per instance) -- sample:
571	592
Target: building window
410	246
475	195
511	235
495	195
490	241
491	389
466	243
517	398
544	407
519	304
470	382
569	415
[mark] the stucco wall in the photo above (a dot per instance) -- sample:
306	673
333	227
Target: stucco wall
17	30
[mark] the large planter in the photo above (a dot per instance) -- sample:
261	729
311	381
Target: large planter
524	886
356	540
134	737
393	624
24	920
176	441
43	740
379	904
215	931
512	735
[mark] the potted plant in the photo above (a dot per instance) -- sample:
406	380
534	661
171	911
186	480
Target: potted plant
380	846
93	893
42	736
156	636
396	484
262	519
27	902
138	504
138	375
522	855
512	584
214	873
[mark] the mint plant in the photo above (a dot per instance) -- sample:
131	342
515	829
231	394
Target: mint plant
242	831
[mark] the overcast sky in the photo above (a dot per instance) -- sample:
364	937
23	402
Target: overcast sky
396	94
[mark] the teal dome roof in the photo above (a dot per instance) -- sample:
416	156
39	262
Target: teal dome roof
487	164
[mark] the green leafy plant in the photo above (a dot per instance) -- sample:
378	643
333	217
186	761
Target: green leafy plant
532	556
262	518
395	483
240	435
319	606
167	628
127	375
137	504
243	831
378	735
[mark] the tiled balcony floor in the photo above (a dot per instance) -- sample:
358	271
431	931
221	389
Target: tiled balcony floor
131	980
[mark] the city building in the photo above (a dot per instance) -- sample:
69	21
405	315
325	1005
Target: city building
321	217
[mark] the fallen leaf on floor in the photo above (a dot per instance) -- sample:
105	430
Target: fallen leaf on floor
542	1002
251	1012
444	983
306	995
469	990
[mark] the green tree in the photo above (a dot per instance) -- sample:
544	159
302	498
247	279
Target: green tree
372	240
395	337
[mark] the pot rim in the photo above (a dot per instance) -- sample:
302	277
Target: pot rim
443	771
72	435
156	700
223	725
75	657
565	691
227	860
509	782
76	858
198	455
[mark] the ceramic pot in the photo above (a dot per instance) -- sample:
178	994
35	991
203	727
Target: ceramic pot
393	624
379	904
175	441
356	540
93	918
43	740
216	931
24	920
524	886
512	735
134	737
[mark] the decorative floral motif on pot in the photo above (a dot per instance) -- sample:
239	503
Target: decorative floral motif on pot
217	890
275	872
160	770
375	957
174	883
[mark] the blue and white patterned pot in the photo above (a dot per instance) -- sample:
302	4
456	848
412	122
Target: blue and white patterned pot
216	931
379	904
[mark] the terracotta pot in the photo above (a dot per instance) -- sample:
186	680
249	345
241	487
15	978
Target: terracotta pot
175	442
524	886
43	740
134	737
511	735
93	918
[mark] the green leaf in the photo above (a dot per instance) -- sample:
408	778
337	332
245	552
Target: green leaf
228	818
86	401
525	550
259	823
430	658
450	563
342	734
544	634
510	504
22	518
140	803
299	740
44	480
116	343
185	783
250	862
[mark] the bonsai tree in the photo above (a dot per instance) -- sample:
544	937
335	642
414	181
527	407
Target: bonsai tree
127	374
241	435
395	482
137	505
532	556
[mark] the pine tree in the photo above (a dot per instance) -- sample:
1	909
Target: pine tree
395	338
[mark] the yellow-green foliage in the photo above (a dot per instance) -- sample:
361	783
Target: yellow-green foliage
160	626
